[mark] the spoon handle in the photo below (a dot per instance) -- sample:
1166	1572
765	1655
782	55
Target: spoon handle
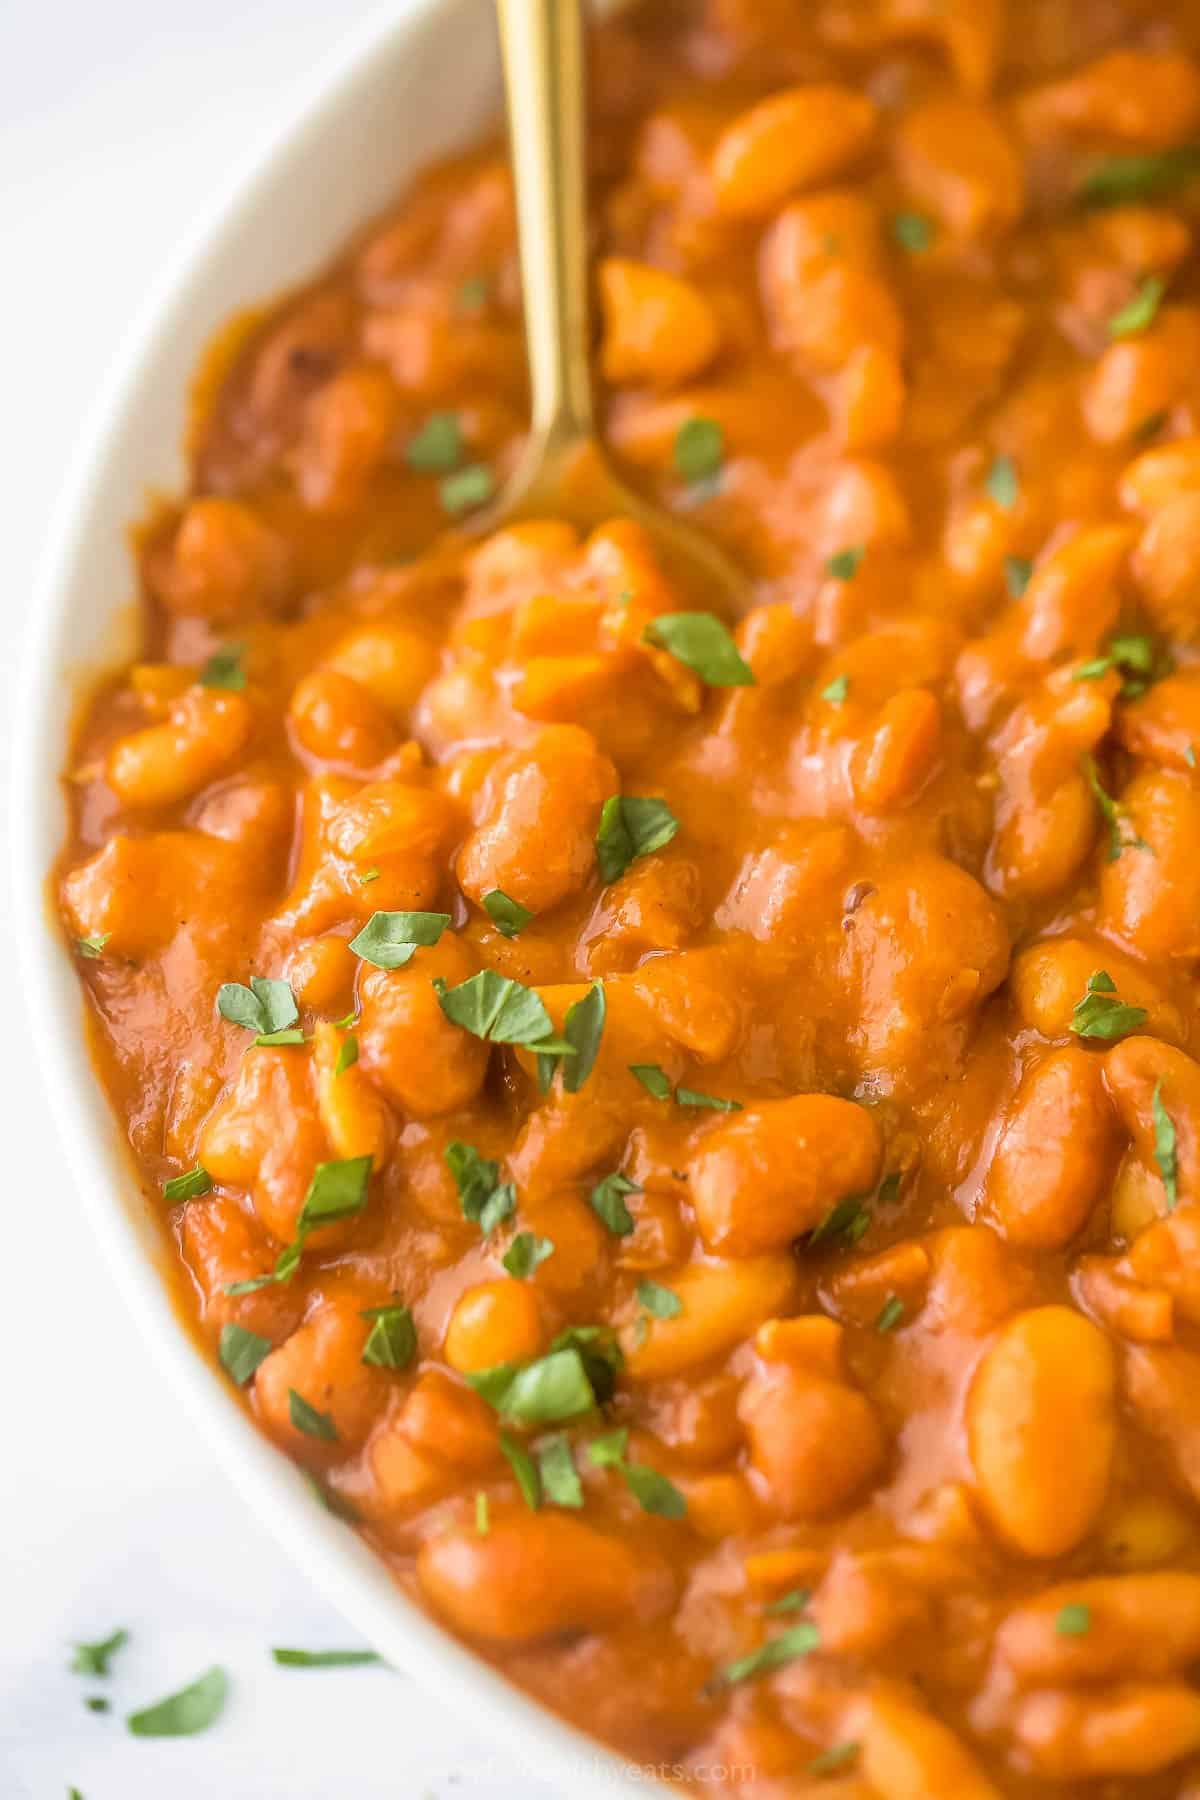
542	45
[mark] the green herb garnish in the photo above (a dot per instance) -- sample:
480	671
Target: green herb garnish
1018	572
1100	1014
844	565
468	488
325	1659
556	1466
307	1419
484	1199
90	947
699	449
800	1640
1074	1620
197	1181
338	1190
662	1302
501	1011
1001	482
685	1096
1116	180
653	1079
525	1252
607	1201
704	644
93	1658
192	1709
1165	1147
241	1351
1115	815
912	231
631	825
1138	314
389	940
890	1314
837	690
525	1470
437	447
392	1340
508	916
224	669
267	1008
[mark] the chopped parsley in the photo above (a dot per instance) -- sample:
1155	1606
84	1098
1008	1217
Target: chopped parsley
548	1391
90	947
508	916
1132	652
837	690
1100	1014
799	1640
468	488
98	1703
661	1302
1074	1620
347	1055
389	940
437	447
607	1201
368	875
1001	483
224	669
702	642
699	449
472	294
1114	814
525	1470
844	565
685	1096
653	1079
484	1199
241	1352
1018	572
912	231
267	1008
795	1600
392	1340
307	1419
1115	180
837	1757
500	1011
1139	313
583	1028
848	1219
652	1491
338	1190
194	1708
890	1314
482	1520
93	1658
525	1253
631	825
560	1480
1165	1147
325	1659
197	1181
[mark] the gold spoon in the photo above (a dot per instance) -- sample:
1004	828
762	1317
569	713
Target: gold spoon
565	471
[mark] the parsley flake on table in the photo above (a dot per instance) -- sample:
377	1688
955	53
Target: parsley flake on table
1100	1014
390	940
325	1659
704	644
93	1658
183	1714
631	825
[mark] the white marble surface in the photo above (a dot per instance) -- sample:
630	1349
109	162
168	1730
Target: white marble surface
118	120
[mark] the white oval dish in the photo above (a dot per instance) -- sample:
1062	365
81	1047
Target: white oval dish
372	121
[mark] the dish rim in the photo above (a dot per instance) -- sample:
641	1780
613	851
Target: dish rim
96	1161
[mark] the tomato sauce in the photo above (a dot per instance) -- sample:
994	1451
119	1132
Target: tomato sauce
688	1128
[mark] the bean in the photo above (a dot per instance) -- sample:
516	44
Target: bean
797	138
407	1044
764	1177
721	1304
203	734
537	1575
1139	1626
816	1443
1150	895
494	1322
1130	1730
1054	1158
1041	1425
959	162
658	328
